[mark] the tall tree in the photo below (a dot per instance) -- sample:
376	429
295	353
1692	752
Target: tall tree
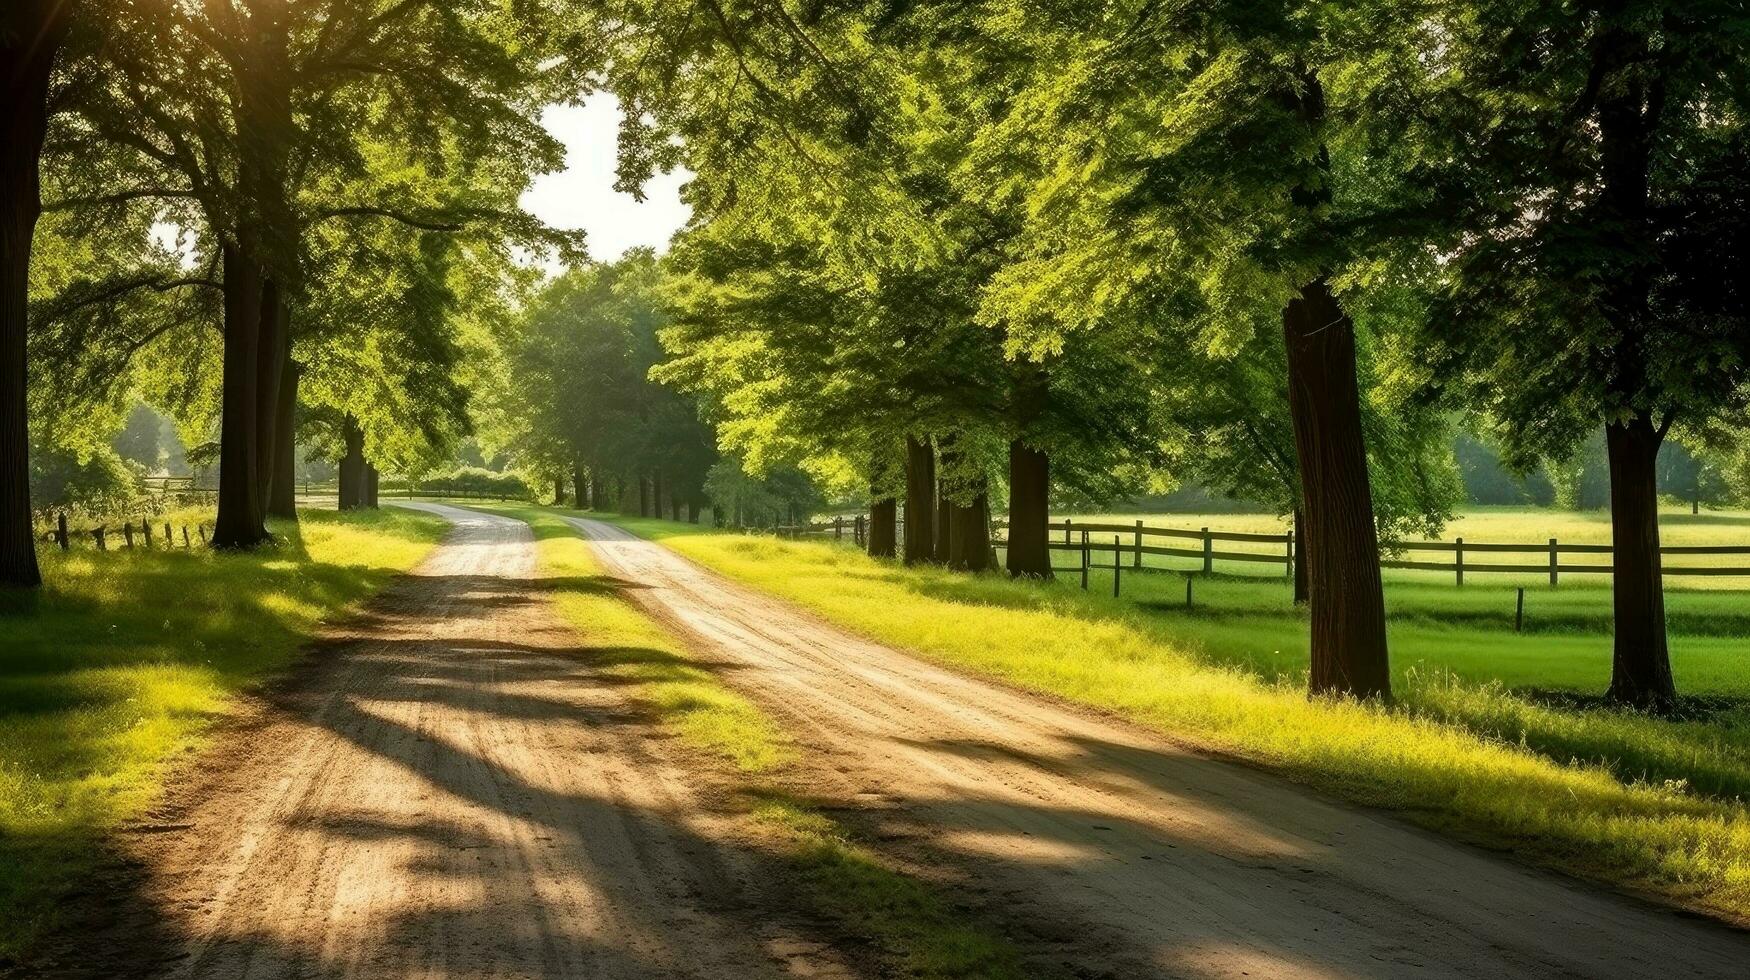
1262	157
1601	182
31	35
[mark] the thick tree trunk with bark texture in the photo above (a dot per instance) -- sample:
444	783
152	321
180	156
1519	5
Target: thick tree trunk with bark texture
282	499
273	350
239	523
920	502
1029	512
883	528
30	37
1640	672
969	535
1342	544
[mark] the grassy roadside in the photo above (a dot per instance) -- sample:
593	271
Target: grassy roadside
125	658
844	879
1620	798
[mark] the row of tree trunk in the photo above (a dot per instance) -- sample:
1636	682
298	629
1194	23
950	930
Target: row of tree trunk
590	490
950	525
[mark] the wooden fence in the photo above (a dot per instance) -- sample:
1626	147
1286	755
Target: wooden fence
106	537
1129	543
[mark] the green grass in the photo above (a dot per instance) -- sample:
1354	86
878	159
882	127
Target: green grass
124	659
1637	801
844	879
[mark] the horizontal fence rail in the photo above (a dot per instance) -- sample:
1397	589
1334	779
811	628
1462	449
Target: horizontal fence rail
1134	541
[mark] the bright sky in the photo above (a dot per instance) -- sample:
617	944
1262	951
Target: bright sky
583	195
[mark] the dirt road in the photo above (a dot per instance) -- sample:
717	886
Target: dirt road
450	790
1119	854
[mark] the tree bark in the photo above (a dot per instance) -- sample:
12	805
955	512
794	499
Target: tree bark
1640	673
920	502
693	511
372	479
883	527
31	32
1300	589
283	496
273	349
1029	512
239	523
352	465
969	536
644	496
1347	601
579	487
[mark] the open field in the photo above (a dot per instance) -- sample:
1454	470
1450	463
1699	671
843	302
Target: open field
122	661
1634	800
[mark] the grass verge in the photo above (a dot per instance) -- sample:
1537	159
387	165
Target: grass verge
125	658
1470	760
844	879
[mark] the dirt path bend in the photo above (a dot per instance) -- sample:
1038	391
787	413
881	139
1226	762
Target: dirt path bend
1123	855
450	790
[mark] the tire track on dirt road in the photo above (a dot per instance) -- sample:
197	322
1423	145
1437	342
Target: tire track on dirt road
1118	853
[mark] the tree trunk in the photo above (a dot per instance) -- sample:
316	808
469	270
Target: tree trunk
656	495
598	492
969	536
1300	591
920	502
883	527
239	523
372	479
352	465
1347	601
644	496
283	495
579	487
274	349
1640	673
1029	512
692	512
30	37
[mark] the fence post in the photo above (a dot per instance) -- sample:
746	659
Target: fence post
97	536
1208	552
1117	564
1084	560
128	533
1138	562
61	531
146	531
185	542
1066	523
1188	580
1519	614
1555	561
1458	563
1288	555
838	527
201	529
169	538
